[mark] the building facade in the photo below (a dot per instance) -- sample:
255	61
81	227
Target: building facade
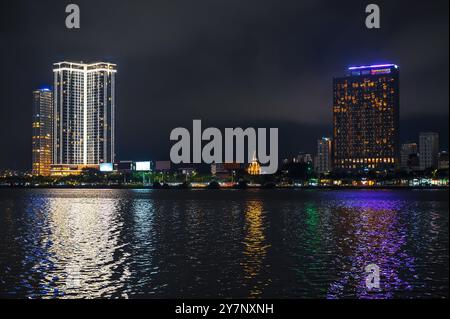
84	110
218	168
443	160
406	150
413	162
366	118
42	125
303	158
323	160
428	150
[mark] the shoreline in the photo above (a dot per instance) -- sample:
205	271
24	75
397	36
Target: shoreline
179	187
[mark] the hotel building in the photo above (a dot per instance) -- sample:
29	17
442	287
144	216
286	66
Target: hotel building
84	107
366	118
42	125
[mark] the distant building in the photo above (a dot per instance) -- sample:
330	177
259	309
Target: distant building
161	166
443	160
406	150
428	150
218	168
187	171
254	168
232	166
42	124
413	162
366	118
70	169
323	162
220	171
303	158
125	166
84	113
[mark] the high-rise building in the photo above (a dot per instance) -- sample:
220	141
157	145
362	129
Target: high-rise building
366	118
428	150
84	100
406	150
323	163
42	139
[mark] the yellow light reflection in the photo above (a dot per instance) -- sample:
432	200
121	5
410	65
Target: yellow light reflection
255	248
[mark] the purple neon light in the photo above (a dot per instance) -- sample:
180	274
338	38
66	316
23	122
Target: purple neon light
373	66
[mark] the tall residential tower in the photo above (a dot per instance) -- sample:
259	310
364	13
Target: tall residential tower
428	150
323	162
42	139
366	118
84	100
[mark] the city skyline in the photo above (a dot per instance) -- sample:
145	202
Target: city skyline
299	150
227	157
366	112
271	73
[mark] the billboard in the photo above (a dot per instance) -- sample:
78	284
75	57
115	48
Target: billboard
380	71
106	167
143	166
125	166
162	165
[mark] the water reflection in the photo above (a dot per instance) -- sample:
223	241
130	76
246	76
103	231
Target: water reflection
142	244
255	248
371	232
227	244
307	240
77	250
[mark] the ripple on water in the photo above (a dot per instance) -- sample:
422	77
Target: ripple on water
255	243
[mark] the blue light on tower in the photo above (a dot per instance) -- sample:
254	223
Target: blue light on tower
376	66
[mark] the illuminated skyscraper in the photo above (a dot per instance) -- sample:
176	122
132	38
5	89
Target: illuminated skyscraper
84	99
42	139
366	118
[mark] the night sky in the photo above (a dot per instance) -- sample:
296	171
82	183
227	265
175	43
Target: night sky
229	63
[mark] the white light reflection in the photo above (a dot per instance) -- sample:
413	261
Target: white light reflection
86	247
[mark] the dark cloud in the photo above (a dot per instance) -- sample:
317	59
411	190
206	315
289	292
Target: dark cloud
225	62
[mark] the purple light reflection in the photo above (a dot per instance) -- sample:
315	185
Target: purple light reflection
373	233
